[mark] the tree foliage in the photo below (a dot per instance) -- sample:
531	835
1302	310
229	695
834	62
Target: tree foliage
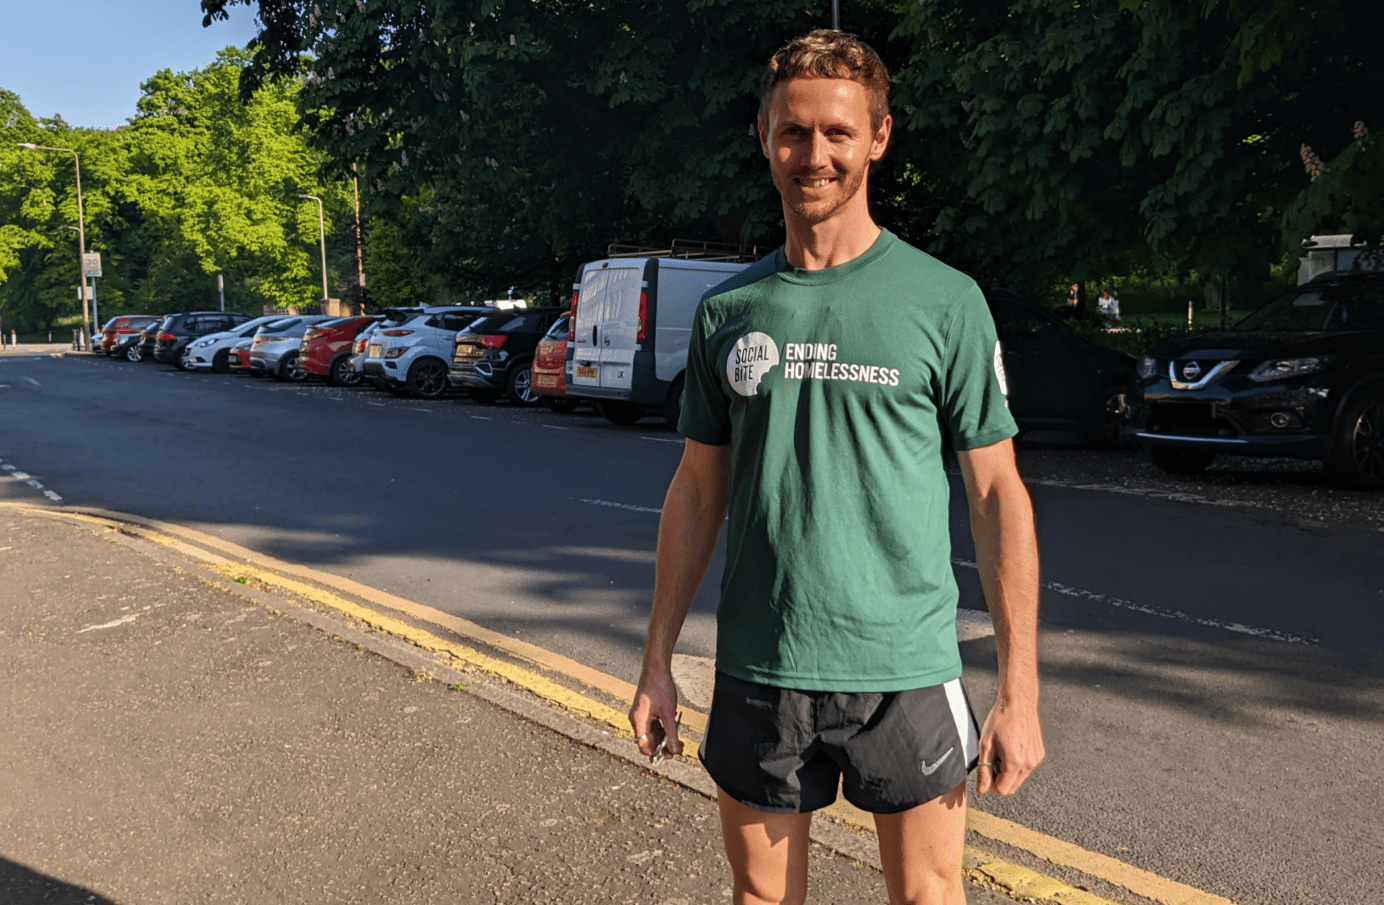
1083	138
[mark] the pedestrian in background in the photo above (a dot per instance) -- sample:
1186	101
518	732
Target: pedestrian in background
823	385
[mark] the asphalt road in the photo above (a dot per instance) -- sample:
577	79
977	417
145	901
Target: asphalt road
1213	700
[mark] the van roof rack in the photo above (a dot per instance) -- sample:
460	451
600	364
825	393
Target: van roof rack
693	250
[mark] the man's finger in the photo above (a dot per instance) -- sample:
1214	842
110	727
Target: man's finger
987	769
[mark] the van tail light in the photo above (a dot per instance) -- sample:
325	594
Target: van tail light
398	332
572	321
643	314
492	342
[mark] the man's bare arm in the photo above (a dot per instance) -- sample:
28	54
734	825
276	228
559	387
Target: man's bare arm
1007	557
693	512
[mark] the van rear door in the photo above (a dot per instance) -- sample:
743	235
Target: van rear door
607	326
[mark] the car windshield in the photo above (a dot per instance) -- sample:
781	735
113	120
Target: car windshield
279	326
559	328
1345	307
508	322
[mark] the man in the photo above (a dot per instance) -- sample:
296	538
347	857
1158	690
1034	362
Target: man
822	386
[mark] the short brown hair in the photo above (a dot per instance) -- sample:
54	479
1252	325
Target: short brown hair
828	53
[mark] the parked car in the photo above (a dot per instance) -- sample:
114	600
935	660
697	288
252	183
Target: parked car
631	321
550	367
214	350
143	350
326	349
1302	377
179	330
409	353
238	359
274	350
494	354
122	330
1057	380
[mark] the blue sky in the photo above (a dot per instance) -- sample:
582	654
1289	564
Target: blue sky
85	59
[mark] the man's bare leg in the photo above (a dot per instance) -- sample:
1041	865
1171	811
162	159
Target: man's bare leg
920	850
767	853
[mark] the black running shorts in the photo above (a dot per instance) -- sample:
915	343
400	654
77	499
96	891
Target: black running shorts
786	751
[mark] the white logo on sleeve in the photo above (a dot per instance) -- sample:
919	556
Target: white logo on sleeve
752	356
999	370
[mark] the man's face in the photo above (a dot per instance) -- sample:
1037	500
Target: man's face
820	144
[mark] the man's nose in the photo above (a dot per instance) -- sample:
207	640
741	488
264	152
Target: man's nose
817	157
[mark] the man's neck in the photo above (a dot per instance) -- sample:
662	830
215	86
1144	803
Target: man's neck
834	241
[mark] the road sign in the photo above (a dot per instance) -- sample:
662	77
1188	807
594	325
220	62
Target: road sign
84	294
91	264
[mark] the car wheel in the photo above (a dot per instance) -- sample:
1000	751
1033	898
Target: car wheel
289	370
427	379
622	413
132	352
672	406
221	362
519	385
561	404
483	395
1357	448
1177	461
1106	427
181	360
341	373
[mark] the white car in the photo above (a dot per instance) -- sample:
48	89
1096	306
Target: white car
410	352
213	350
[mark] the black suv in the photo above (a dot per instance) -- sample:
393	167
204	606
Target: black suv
494	354
1301	377
1059	382
178	330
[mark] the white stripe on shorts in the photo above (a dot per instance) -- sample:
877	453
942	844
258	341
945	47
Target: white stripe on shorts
961	716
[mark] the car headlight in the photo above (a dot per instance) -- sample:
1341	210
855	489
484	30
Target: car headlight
1147	366
1277	369
395	353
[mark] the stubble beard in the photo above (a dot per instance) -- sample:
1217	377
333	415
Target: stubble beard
813	213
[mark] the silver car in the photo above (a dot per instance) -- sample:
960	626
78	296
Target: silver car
275	348
410	353
213	350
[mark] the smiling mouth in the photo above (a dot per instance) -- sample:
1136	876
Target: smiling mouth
811	183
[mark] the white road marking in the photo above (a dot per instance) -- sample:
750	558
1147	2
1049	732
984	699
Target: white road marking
121	621
663	440
479	418
21	475
616	505
1176	615
52	496
1146	492
555	427
4	386
33	381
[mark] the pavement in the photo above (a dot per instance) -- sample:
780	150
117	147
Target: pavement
172	736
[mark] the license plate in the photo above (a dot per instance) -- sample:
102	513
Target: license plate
588	371
545	380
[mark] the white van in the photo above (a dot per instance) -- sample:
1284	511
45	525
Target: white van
631	321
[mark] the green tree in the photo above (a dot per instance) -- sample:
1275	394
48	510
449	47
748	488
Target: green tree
1085	138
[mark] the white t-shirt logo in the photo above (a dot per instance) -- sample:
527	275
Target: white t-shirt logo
752	356
999	370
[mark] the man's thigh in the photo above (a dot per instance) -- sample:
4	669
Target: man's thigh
767	852
920	850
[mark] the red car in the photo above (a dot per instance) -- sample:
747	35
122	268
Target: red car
326	349
239	358
549	368
120	331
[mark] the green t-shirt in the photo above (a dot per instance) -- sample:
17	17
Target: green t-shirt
835	389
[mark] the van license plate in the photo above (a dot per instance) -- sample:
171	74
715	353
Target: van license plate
586	371
545	380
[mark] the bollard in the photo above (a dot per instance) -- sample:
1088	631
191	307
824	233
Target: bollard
14	339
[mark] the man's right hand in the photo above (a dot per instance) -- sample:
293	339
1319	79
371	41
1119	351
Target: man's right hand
654	713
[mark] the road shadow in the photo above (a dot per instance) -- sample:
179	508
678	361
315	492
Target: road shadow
21	885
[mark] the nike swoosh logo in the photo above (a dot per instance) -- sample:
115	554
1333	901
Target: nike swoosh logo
929	770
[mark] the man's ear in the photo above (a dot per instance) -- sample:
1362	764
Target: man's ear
763	129
880	144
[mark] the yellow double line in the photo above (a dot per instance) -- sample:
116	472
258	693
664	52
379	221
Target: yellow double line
325	589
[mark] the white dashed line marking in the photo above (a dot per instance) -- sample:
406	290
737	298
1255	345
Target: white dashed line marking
1175	615
33	381
121	621
611	505
556	427
662	439
479	418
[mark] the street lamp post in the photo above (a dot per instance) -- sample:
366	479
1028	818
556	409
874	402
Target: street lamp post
81	240
322	241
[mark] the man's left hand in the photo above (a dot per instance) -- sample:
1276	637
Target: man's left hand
1011	746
